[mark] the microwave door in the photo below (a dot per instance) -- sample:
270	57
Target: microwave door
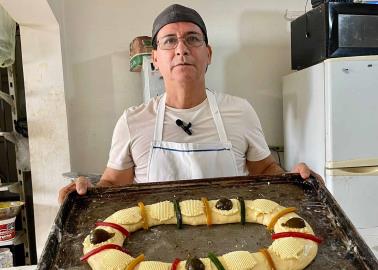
353	29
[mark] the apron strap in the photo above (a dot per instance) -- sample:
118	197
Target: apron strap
216	116
158	133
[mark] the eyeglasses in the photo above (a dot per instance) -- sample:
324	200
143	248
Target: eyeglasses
171	42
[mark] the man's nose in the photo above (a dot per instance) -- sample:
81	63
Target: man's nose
182	48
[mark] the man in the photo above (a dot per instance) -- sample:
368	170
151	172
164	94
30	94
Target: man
154	142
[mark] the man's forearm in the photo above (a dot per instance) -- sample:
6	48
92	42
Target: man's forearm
116	178
273	168
267	165
105	183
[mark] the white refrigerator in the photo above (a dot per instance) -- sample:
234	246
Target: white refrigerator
330	113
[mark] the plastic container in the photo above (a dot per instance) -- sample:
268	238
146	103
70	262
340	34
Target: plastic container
7	229
6	258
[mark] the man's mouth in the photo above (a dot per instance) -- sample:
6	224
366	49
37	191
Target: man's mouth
182	64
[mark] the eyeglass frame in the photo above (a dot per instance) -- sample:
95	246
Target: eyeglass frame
202	38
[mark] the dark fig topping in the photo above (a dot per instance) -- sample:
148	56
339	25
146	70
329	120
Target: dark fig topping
99	235
295	223
194	263
224	204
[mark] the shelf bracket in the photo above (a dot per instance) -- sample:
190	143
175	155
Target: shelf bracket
9	136
8	99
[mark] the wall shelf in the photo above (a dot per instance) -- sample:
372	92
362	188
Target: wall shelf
15	176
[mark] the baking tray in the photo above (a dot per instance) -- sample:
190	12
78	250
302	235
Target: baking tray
342	248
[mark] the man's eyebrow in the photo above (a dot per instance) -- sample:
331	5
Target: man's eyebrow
169	35
185	34
191	32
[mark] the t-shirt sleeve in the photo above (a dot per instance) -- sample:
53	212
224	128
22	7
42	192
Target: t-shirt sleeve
120	156
257	147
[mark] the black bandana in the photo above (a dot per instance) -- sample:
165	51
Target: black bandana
177	13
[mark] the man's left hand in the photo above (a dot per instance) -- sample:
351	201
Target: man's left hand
302	169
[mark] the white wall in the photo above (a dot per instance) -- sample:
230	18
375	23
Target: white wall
251	52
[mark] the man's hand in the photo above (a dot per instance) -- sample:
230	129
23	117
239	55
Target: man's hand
110	178
80	184
302	169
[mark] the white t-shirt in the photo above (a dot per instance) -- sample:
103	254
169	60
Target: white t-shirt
134	132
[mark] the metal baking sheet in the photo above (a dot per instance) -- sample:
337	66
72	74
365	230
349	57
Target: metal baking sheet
342	248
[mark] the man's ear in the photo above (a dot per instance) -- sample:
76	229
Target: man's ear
154	59
210	53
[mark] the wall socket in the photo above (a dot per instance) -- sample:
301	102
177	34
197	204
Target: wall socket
277	148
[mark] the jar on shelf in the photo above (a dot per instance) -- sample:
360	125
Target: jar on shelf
6	258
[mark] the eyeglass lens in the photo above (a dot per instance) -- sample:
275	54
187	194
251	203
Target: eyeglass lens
171	41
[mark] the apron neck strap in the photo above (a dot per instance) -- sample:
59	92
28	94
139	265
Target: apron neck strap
158	133
216	116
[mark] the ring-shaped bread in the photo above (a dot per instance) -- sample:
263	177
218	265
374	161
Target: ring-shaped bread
294	247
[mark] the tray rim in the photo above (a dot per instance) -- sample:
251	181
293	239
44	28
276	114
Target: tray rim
313	182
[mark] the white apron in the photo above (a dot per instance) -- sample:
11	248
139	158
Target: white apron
180	161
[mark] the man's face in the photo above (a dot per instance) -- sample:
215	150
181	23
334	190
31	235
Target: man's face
183	63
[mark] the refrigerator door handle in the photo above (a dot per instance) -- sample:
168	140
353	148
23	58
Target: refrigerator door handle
368	170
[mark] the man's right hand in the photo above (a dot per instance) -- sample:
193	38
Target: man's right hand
80	184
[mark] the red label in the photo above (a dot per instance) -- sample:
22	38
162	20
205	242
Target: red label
7	231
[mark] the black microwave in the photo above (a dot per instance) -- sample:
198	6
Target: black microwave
334	29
